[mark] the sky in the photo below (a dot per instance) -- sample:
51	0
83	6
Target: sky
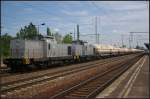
115	19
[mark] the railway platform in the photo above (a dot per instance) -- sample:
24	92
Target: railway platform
134	83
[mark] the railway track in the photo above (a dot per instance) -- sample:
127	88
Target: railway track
91	87
4	72
16	85
12	78
7	73
44	72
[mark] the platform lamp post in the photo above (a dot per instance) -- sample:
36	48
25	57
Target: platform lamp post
39	26
1	59
1	27
71	34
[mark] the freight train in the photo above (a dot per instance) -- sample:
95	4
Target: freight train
45	51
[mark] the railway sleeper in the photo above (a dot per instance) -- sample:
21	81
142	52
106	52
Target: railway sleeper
92	86
101	79
80	92
95	83
83	91
76	96
73	95
86	89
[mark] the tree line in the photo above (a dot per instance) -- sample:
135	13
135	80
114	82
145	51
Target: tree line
29	32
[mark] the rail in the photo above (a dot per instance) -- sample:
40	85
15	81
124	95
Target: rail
91	87
16	85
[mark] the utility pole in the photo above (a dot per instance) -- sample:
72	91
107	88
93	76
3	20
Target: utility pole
131	35
98	33
129	42
137	43
96	29
118	44
1	30
98	37
38	29
74	32
122	40
77	32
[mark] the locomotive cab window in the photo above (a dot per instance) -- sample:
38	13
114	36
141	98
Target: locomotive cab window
49	46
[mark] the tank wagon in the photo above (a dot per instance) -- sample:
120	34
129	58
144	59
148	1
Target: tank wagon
109	50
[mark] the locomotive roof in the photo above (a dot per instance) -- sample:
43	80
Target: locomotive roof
79	42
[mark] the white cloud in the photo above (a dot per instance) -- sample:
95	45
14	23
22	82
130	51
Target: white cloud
126	20
4	29
122	19
56	29
114	31
28	9
122	5
75	13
